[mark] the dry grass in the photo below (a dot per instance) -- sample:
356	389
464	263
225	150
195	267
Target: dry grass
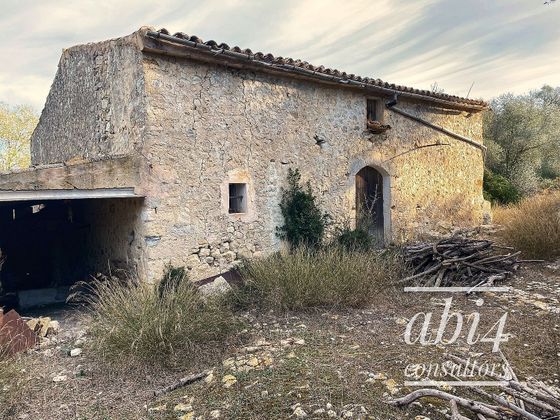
342	347
329	368
11	383
331	277
532	226
169	325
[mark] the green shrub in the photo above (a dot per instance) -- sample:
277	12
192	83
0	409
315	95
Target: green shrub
328	277
357	239
550	184
549	170
304	223
170	324
499	189
533	225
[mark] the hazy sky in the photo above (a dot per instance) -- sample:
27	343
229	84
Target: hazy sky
500	45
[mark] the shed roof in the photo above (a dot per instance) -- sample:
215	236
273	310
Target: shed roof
303	68
74	194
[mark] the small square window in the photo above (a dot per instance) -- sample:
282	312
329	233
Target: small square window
237	198
373	113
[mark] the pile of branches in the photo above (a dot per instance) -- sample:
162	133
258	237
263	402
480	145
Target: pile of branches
461	262
532	399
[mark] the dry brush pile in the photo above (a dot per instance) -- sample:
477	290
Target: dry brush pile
532	399
460	261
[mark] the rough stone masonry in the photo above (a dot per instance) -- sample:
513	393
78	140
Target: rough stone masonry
205	134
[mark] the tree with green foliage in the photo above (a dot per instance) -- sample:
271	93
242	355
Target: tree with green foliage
304	222
522	133
498	189
16	126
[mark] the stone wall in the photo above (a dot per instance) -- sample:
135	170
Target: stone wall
95	107
114	236
208	125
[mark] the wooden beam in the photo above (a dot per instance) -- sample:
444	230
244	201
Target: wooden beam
44	195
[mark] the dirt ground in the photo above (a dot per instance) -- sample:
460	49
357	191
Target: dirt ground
321	364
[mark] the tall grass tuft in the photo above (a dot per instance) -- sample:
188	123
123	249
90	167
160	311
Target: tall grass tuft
532	226
11	383
169	324
330	277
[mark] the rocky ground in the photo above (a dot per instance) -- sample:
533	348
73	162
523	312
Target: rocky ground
324	364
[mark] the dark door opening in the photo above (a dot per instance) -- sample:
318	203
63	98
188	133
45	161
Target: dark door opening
369	202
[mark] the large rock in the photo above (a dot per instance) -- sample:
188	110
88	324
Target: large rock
215	288
44	326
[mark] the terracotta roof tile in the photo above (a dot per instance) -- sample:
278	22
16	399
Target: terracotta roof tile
307	67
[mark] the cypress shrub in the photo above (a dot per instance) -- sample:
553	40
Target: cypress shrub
304	222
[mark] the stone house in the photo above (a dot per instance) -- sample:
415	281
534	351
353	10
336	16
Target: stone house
156	148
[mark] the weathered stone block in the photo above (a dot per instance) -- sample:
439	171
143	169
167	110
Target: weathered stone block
230	256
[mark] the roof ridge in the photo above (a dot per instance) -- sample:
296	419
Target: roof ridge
303	66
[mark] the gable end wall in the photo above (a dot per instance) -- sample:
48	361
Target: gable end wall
95	108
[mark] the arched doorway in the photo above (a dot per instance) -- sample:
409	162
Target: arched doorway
369	202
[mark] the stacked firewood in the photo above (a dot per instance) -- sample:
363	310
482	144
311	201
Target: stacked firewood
459	261
531	399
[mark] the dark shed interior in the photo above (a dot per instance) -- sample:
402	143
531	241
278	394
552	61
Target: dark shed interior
47	246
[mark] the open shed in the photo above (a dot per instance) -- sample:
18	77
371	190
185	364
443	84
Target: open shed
52	238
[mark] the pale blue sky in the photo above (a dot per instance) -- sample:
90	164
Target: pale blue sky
500	45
